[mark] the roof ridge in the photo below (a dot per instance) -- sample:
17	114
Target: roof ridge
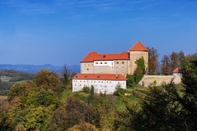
138	46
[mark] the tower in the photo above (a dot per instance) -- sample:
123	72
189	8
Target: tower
137	51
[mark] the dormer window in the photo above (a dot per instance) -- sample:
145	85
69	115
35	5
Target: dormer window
104	56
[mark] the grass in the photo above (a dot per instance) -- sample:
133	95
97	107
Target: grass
6	79
3	97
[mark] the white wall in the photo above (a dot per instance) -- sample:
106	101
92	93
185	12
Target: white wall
104	63
100	86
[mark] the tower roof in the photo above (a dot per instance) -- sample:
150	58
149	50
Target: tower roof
177	70
138	47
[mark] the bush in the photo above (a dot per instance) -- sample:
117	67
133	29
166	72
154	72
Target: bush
119	91
86	89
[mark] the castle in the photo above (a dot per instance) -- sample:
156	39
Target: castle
106	71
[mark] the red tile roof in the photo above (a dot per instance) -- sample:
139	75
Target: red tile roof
138	47
177	70
94	56
99	77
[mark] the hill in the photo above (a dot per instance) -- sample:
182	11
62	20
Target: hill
36	68
9	77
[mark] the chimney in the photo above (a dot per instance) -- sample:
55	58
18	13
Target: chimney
116	75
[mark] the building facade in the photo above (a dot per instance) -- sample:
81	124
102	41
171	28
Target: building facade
95	64
103	83
123	63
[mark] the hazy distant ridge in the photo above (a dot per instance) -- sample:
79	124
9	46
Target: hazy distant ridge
37	68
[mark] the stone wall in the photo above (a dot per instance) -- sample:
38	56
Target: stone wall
158	80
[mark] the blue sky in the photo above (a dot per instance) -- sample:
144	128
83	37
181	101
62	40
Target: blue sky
62	32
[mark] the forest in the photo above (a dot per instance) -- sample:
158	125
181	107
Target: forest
47	103
10	77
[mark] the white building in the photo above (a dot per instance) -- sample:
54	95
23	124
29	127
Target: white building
103	83
177	76
106	71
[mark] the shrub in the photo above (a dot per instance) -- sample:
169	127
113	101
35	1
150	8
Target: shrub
119	91
86	89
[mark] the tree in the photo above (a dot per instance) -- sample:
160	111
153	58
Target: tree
47	79
140	66
181	57
66	75
174	61
189	99
153	62
58	120
83	127
19	90
37	118
165	65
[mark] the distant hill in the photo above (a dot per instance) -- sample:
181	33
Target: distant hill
37	68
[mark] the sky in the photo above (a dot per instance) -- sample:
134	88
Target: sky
59	32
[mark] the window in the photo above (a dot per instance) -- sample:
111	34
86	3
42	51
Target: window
101	62
117	62
96	62
75	84
92	64
88	64
122	62
105	62
87	68
84	64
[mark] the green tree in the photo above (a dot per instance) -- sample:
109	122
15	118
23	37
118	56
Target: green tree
158	111
140	65
19	90
189	99
181	57
103	112
47	79
83	127
38	117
